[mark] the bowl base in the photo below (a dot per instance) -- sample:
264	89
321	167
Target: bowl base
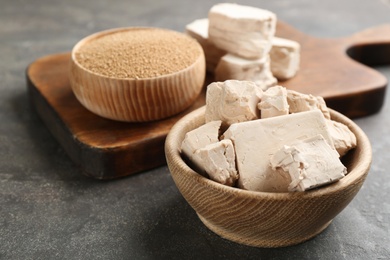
259	242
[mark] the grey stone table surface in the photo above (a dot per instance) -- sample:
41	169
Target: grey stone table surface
49	210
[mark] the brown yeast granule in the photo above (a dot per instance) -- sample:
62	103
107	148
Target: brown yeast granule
138	53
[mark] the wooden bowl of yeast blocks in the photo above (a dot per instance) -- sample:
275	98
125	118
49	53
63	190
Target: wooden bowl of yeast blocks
137	74
265	219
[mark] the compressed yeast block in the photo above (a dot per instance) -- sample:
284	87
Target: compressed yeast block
299	102
234	67
343	138
200	138
255	141
232	101
274	102
285	58
210	156
198	30
218	161
242	30
311	163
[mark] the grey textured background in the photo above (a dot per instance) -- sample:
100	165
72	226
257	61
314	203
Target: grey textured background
48	210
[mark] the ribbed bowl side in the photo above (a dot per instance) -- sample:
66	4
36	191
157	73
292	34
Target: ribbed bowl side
138	100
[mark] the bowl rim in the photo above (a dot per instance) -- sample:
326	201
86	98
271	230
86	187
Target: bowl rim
357	174
96	35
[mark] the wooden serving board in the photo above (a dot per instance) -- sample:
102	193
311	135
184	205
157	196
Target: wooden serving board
337	69
106	149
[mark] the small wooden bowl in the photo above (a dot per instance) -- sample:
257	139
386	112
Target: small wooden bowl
137	99
265	219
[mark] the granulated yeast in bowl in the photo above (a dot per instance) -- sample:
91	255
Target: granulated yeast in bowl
137	74
138	53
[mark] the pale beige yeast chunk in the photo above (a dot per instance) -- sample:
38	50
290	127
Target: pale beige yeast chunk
274	102
310	163
343	138
242	30
218	161
285	58
258	70
232	101
200	138
300	102
256	141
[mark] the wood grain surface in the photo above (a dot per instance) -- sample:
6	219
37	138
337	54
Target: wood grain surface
106	149
337	69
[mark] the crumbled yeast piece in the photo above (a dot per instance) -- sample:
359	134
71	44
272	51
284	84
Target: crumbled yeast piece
233	67
310	163
299	102
255	141
343	138
274	102
232	101
218	161
200	138
285	58
242	30
198	29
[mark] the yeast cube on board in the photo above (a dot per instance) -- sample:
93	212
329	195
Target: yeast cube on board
242	30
